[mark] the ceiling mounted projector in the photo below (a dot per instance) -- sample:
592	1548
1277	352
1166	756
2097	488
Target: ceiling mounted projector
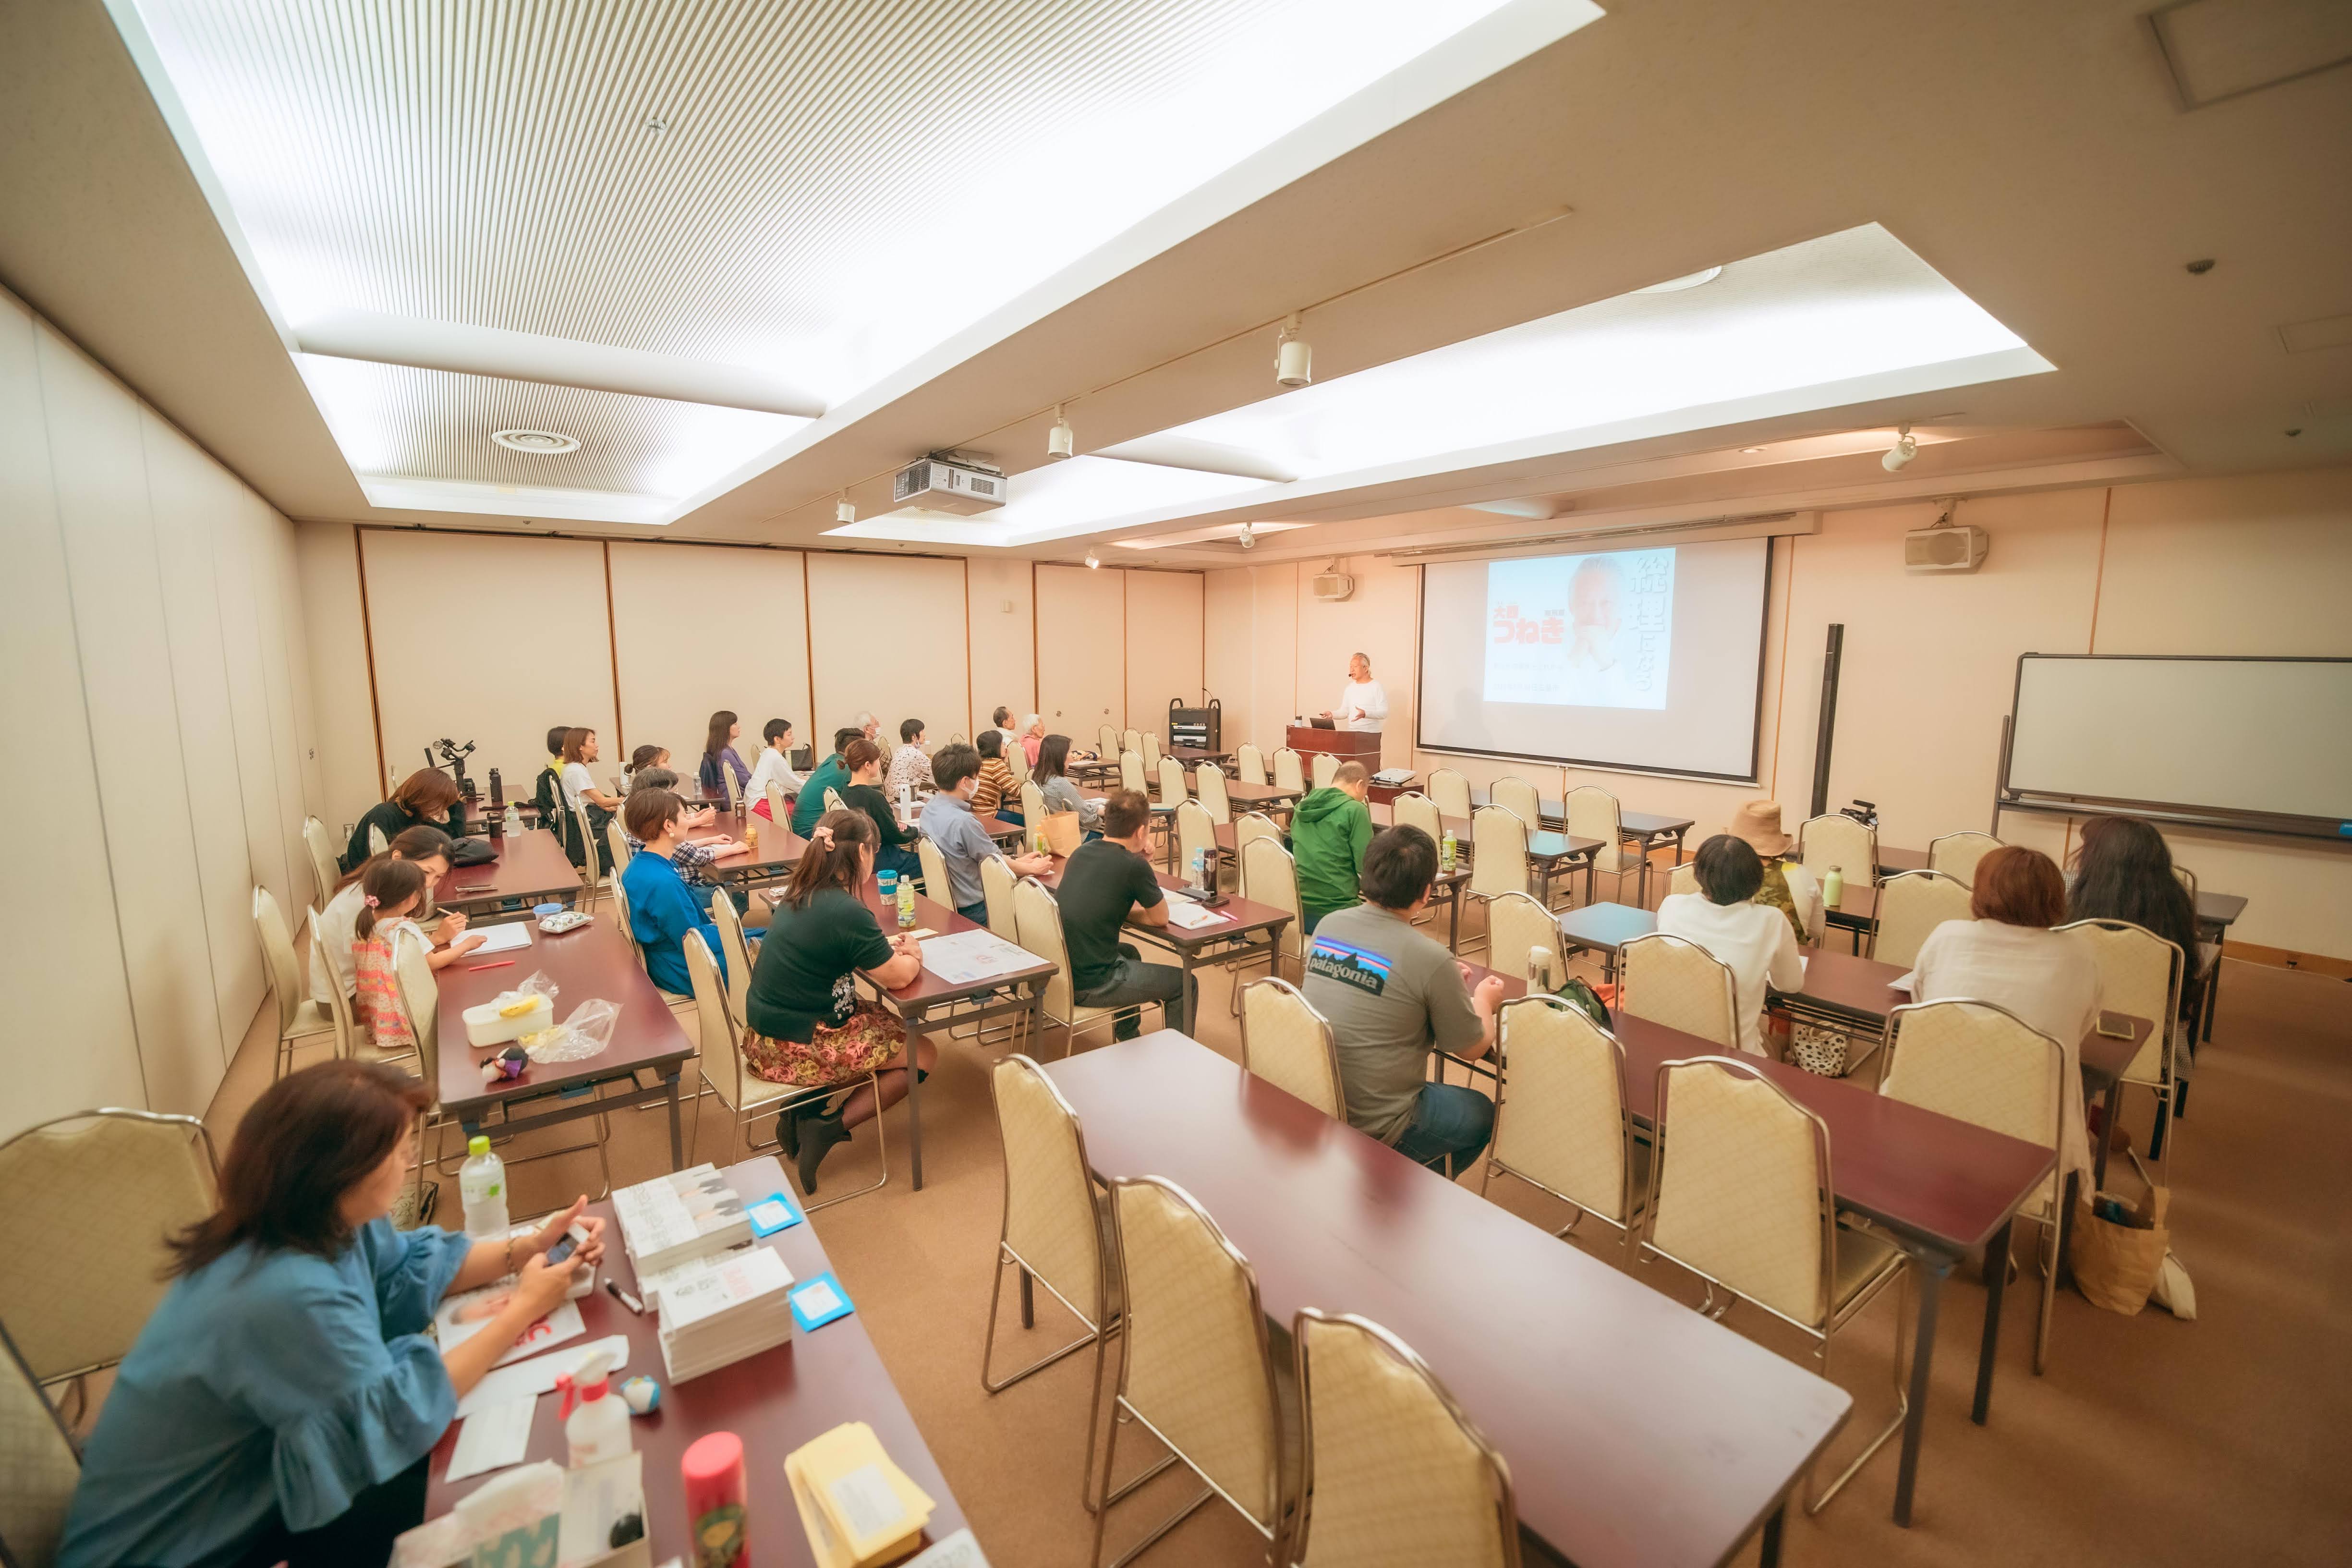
1294	358
1898	457
938	485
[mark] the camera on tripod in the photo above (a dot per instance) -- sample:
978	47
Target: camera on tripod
453	757
1862	811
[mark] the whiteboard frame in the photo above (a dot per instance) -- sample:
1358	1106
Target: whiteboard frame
2224	819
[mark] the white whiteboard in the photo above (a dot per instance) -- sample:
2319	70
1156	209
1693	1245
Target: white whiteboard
2224	734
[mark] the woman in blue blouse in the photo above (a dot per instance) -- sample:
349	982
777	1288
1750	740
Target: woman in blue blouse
279	1404
661	906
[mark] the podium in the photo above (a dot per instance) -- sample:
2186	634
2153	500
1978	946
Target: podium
1348	745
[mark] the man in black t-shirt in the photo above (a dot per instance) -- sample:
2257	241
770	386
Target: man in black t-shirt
1107	881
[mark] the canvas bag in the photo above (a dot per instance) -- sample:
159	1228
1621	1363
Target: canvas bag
1063	834
2115	1266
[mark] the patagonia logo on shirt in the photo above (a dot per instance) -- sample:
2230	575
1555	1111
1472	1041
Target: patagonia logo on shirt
1348	965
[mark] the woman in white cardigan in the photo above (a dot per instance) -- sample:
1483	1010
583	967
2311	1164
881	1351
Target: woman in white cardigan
2008	955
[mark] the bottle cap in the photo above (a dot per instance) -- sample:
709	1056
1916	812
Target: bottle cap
477	1144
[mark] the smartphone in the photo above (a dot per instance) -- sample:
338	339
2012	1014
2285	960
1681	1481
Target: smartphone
2114	1026
568	1244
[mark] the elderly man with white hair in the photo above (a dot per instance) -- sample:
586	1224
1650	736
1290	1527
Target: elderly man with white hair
871	727
1033	736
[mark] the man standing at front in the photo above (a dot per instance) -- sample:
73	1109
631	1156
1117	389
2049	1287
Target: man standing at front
1393	994
1364	701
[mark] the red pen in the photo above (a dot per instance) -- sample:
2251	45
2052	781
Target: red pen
501	964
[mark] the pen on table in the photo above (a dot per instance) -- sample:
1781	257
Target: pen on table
625	1299
503	964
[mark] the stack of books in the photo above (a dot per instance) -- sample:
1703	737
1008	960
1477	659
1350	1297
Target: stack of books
676	1218
859	1509
716	1311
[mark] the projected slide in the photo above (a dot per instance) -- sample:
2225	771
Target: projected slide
1580	631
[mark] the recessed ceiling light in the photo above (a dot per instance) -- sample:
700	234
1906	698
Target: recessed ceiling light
542	443
1688	280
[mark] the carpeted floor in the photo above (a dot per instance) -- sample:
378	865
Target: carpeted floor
2150	1439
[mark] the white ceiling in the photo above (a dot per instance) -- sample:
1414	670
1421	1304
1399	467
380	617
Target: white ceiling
285	167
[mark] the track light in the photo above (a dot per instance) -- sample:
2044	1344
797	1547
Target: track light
1059	442
1247	538
843	511
1294	358
1093	560
1898	457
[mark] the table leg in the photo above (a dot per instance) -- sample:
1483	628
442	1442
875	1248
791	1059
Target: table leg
1028	1300
1769	1556
1931	1267
1453	932
1995	1281
676	1143
915	1100
2066	1227
2107	1134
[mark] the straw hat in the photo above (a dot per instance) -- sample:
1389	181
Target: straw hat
1758	823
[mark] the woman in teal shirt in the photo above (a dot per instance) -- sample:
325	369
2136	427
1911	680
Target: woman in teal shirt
279	1404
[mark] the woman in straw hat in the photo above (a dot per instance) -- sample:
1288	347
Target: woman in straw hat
1788	886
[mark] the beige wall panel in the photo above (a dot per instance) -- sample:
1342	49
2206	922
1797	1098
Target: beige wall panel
1380	620
70	1042
889	638
126	662
1165	625
1003	647
304	782
1275	676
683	658
327	556
490	640
261	547
1228	624
1082	653
232	793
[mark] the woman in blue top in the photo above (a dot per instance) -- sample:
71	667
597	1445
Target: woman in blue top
662	909
279	1404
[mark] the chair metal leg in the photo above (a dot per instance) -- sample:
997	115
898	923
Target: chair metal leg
1901	1401
2048	1295
988	1345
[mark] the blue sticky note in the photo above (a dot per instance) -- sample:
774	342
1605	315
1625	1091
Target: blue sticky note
772	1214
818	1302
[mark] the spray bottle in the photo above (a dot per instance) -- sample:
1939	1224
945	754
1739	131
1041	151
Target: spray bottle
596	1425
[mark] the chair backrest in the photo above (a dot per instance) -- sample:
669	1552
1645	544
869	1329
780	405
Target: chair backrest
420	998
727	782
936	886
1683	879
1396	1475
628	926
1196	1366
1975	1062
348	1037
377	842
1195	833
1591	812
1107	740
1523	940
2187	878
779	813
1039	918
1518	796
1173	786
618	842
1451	791
718	1032
996	884
737	950
1417	810
324	872
2139	974
1837	839
1957	854
1679	984
1561	1120
1270	876
1287	774
1210	782
1033	806
1251	762
1909	907
42	1466
286	987
1131	772
831	798
585	835
1287	1043
1740	1184
1252	824
1131	741
1051	1221
90	1198
1324	767
1498	852
1151	747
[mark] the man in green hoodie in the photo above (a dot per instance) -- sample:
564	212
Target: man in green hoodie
1328	836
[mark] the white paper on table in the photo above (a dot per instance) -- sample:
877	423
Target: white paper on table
1190	916
537	1376
1908	981
500	939
961	1549
454	1330
492	1437
1804	963
965	956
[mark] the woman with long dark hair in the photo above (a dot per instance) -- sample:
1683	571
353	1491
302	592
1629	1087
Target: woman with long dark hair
279	1404
2123	871
425	798
719	752
808	1025
1052	777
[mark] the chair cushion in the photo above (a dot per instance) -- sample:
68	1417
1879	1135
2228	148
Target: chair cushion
1860	1258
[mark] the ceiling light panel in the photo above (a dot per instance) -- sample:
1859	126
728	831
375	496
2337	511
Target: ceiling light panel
835	188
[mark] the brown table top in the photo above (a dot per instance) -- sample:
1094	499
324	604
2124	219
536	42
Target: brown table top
2218	909
926	990
592	960
1241	915
1892	860
777	851
1850	984
530	866
1606	927
1249	795
774	1401
997	828
1193	755
1637	1431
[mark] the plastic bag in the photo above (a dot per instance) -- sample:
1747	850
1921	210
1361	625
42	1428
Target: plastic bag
586	1033
539	985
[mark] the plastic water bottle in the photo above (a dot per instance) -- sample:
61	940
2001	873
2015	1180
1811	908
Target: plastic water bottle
1200	869
1834	888
1446	852
906	903
482	1183
513	820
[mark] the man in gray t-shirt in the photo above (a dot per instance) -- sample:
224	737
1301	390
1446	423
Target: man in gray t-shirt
1391	994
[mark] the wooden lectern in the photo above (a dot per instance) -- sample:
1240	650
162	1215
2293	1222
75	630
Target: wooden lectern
1348	745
